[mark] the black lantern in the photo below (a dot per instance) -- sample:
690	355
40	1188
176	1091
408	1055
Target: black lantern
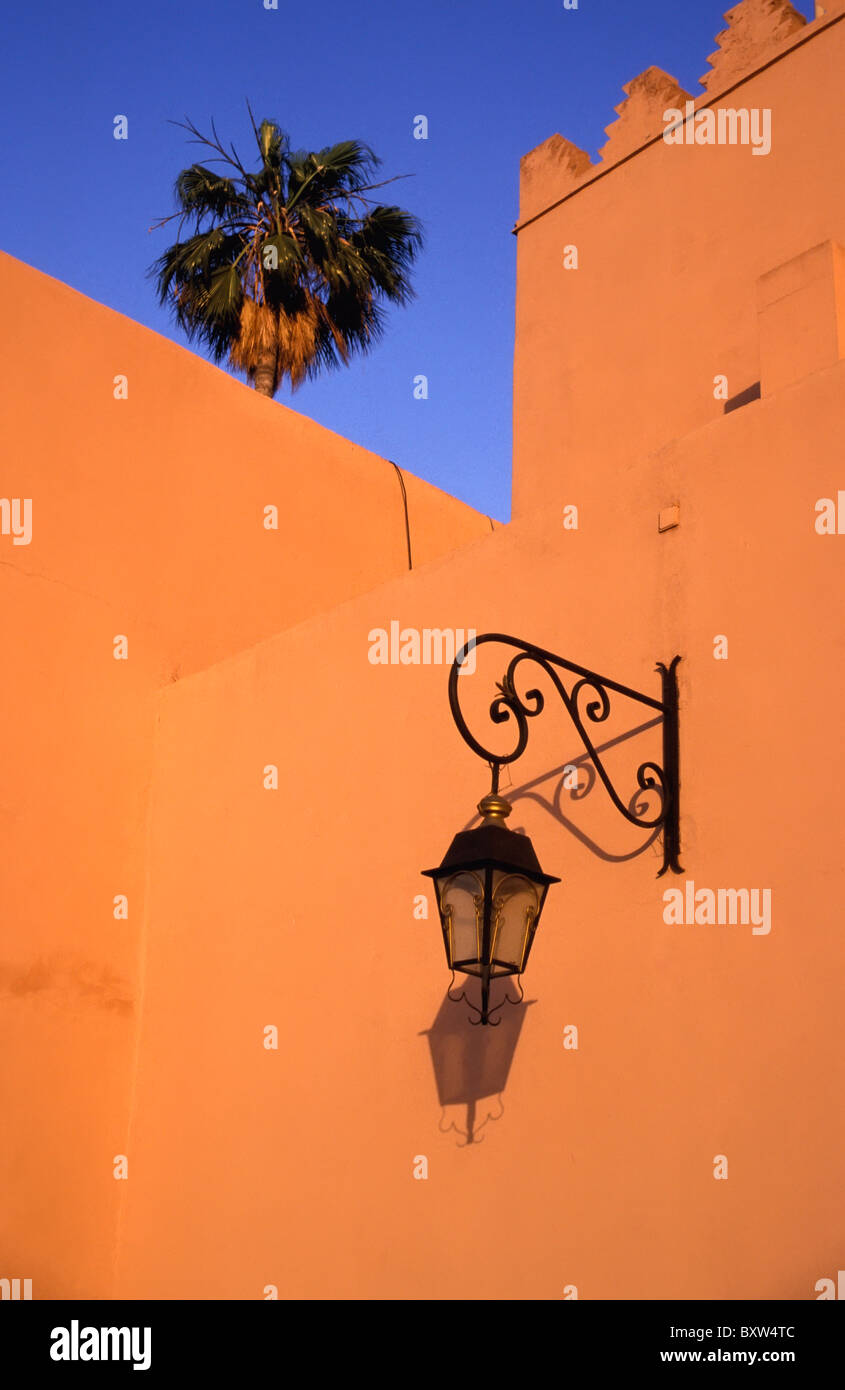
490	894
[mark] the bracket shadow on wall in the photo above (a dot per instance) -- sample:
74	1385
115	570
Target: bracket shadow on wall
490	888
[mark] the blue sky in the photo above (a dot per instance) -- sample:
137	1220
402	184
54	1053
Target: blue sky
494	79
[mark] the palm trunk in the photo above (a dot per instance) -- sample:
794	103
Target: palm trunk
264	379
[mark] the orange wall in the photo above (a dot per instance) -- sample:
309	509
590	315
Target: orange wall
617	358
294	907
146	522
76	749
157	502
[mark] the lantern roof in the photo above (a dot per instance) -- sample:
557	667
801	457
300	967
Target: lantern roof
492	843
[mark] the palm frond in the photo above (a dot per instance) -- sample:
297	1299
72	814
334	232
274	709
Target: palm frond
202	193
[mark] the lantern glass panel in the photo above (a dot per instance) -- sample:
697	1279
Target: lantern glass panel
462	913
516	906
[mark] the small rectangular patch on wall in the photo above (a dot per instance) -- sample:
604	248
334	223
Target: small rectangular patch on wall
669	517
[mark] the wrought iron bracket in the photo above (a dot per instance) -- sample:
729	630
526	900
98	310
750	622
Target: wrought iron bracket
652	778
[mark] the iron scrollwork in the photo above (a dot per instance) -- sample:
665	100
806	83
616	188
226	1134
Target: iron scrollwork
653	781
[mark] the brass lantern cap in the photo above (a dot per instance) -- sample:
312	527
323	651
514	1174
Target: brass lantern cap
494	807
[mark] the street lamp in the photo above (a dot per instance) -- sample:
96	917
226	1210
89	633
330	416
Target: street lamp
490	894
490	888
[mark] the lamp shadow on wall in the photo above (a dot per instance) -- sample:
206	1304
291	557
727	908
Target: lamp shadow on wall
557	797
471	1065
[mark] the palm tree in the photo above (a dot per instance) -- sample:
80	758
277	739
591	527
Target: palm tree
287	270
